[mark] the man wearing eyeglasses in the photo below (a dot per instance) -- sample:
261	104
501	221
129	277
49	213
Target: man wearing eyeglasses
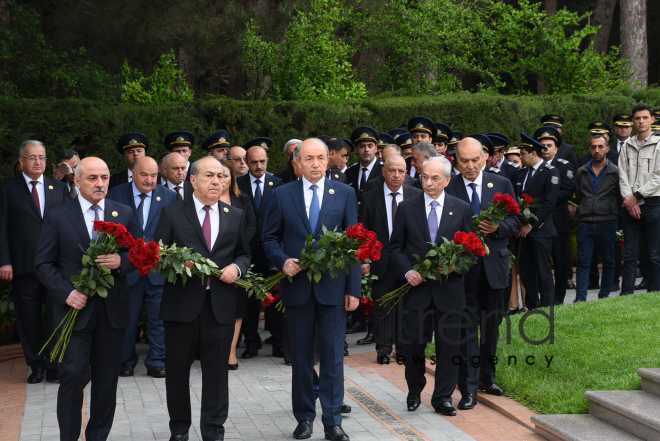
24	201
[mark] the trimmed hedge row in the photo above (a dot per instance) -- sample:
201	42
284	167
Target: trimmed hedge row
92	127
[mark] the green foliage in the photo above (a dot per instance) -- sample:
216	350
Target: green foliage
311	62
166	84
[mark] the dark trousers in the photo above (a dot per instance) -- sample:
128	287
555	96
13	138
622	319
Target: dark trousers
535	271
91	355
647	231
384	322
596	238
185	341
30	297
250	326
561	257
276	325
144	293
416	328
330	321
484	311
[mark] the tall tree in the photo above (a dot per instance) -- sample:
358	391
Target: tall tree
634	42
602	17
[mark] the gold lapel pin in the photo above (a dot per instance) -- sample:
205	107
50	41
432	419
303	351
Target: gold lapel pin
489	185
226	210
114	214
50	187
331	191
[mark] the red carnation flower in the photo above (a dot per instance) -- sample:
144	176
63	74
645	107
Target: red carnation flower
507	201
471	242
144	256
269	300
528	198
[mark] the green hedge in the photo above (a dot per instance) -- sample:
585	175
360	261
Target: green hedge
93	127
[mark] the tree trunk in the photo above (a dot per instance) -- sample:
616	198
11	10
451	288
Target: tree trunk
4	12
602	17
634	43
550	6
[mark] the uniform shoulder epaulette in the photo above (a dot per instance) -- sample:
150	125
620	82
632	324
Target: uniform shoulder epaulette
352	165
494	169
511	163
562	160
549	166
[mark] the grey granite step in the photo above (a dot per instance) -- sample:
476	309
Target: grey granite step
650	380
578	428
635	412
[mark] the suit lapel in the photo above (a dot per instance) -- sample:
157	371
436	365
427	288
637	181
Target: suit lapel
487	191
223	214
459	188
81	225
423	218
328	200
155	202
49	193
189	212
299	202
28	196
446	218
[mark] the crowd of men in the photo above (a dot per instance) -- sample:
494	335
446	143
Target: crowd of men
412	185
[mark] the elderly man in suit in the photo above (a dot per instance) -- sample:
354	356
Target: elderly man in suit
298	209
379	211
486	282
430	306
147	199
24	202
96	340
199	316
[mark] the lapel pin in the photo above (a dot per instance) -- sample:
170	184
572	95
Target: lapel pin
114	214
270	183
336	176
225	209
489	185
157	198
50	187
451	213
331	191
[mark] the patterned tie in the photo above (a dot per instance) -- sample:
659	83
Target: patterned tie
140	211
177	188
35	196
257	194
433	221
206	227
363	179
314	208
96	210
475	203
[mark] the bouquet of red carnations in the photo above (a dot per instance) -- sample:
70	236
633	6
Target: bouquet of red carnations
527	203
503	205
454	256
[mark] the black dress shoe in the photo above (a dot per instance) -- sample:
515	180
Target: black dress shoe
269	340
468	401
232	367
367	340
400	360
383	359
444	407
277	352
303	430
36	376
345	409
355	328
52	376
126	372
413	401
287	361
346	354
179	437
156	372
492	389
336	433
248	353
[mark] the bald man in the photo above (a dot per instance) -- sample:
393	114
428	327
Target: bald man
93	350
174	172
147	199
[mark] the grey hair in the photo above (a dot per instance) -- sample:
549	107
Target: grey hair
289	143
29	142
296	152
394	147
194	167
444	163
426	148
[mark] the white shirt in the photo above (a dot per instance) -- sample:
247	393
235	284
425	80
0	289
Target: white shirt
213	214
369	168
413	171
145	206
531	171
40	191
307	193
253	183
440	200
130	175
388	205
619	144
88	213
172	186
477	181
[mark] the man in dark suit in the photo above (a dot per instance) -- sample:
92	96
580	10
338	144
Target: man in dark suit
24	201
368	168
378	214
258	184
174	172
340	151
541	181
96	340
147	199
131	146
298	209
486	282
199	316
622	130
430	305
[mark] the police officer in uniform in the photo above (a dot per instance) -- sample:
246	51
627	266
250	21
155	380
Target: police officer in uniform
131	146
181	142
218	144
566	151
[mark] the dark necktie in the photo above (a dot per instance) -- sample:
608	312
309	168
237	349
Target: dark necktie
177	189
140	211
206	227
433	221
395	205
96	210
314	208
257	193
475	203
35	196
363	179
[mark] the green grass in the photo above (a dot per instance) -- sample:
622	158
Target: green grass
597	346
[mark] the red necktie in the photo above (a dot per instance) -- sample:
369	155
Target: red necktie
35	196
206	227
